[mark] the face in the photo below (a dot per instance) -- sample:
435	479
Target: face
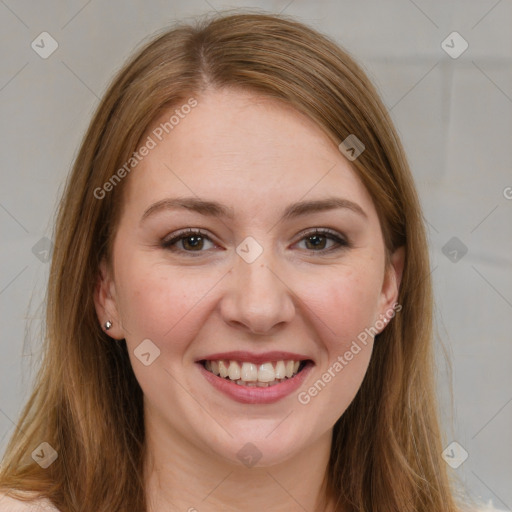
247	241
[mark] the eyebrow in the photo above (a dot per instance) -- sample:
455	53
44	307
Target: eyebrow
215	209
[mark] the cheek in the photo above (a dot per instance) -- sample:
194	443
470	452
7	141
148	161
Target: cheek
346	302
344	308
161	305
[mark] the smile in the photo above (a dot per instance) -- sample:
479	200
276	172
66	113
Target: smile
255	378
250	374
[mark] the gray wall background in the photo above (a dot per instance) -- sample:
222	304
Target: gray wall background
455	119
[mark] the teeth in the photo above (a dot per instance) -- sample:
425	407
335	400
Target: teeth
289	368
249	372
234	370
223	369
280	370
253	375
266	373
259	384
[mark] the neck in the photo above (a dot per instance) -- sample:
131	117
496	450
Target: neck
181	476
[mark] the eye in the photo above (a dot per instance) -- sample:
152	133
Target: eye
193	241
189	240
317	240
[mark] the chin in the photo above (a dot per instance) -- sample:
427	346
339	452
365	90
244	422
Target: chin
259	447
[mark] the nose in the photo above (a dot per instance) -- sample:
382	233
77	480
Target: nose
258	297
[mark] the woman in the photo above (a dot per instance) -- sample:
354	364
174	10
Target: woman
239	307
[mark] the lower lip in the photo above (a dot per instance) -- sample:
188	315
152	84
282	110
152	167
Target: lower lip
254	394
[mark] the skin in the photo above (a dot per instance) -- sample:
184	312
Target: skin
256	156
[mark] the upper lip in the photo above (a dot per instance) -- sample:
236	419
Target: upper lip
251	357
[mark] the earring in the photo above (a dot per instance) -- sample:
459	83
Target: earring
108	325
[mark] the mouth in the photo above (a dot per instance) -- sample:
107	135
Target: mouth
255	379
244	373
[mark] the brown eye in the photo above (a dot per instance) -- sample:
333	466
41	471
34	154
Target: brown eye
192	242
187	241
318	241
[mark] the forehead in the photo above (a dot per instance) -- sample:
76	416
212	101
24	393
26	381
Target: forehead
234	124
242	148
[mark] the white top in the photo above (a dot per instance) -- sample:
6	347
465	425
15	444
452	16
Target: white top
8	504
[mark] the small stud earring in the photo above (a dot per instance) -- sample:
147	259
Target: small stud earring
108	325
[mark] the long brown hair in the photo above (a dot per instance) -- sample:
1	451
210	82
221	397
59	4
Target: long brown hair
87	404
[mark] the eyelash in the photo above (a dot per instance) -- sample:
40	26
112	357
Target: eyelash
325	232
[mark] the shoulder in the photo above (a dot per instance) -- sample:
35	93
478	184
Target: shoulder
10	504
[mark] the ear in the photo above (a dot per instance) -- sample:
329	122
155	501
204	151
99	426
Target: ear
105	302
391	286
